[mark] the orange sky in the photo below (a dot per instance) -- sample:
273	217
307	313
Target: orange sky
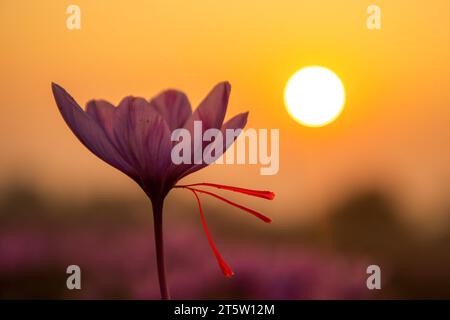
394	129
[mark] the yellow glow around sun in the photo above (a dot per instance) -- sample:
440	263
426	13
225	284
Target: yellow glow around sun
314	96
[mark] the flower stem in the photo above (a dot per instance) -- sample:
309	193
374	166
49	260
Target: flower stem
159	243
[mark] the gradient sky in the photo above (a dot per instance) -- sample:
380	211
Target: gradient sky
394	131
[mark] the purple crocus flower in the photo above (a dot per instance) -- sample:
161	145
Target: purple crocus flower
135	138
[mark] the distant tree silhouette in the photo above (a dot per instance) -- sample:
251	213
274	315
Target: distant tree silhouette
367	223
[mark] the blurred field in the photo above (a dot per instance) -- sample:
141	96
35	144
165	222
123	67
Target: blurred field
112	241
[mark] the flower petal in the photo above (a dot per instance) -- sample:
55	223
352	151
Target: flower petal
103	113
211	113
174	107
141	133
212	109
88	131
238	122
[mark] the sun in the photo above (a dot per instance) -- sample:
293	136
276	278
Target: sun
314	96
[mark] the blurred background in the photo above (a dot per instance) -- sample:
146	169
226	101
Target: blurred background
370	188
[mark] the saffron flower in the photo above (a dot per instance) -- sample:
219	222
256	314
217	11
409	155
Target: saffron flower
135	138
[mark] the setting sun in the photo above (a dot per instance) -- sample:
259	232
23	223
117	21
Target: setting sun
314	96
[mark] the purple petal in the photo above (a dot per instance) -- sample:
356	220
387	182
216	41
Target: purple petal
88	131
103	113
211	113
237	122
174	107
141	133
212	109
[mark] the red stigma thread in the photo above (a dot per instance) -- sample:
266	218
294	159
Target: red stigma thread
256	193
269	195
223	265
